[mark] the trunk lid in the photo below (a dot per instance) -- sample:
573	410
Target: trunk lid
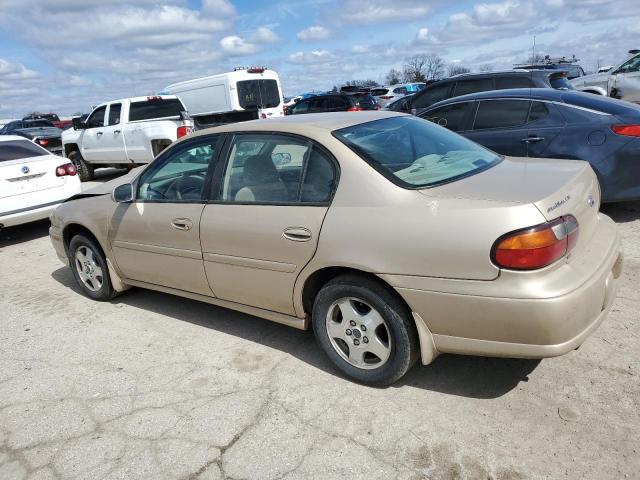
27	175
555	187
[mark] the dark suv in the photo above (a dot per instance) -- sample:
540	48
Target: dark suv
335	102
467	83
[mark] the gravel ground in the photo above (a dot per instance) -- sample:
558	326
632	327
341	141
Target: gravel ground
155	386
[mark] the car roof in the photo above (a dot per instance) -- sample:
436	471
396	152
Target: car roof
570	97
303	124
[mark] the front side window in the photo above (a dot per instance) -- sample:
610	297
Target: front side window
17	149
254	94
454	117
632	65
114	113
279	169
178	176
415	153
431	95
96	119
501	114
300	107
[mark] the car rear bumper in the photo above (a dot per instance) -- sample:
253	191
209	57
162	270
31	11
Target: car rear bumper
28	214
526	323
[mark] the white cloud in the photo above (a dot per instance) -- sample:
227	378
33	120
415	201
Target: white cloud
314	33
423	35
360	48
265	35
382	11
221	8
15	71
315	56
236	45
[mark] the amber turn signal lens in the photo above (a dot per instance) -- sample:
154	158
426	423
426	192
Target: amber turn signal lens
538	246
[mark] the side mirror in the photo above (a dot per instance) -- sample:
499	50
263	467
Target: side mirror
122	193
78	124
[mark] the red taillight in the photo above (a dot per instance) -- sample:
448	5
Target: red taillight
184	130
154	98
627	130
66	169
43	142
355	109
538	246
256	70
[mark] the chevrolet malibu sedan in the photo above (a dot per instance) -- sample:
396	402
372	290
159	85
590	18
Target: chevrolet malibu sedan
393	238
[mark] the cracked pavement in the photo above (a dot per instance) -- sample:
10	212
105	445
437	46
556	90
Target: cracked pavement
155	386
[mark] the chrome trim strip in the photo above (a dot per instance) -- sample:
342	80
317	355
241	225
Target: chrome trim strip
250	262
160	250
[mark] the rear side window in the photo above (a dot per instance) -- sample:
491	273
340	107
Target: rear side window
300	107
506	83
431	95
501	114
454	117
338	103
463	87
17	149
365	100
37	123
538	112
401	90
151	109
319	104
114	113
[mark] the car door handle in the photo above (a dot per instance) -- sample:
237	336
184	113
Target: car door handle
98	133
297	234
116	132
532	139
182	224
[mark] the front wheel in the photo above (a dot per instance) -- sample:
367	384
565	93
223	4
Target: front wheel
89	268
365	329
85	170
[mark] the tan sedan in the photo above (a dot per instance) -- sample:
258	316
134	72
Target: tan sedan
393	238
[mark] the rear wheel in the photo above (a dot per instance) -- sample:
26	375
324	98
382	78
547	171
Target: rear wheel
85	170
89	268
365	329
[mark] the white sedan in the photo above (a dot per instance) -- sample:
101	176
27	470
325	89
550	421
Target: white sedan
33	182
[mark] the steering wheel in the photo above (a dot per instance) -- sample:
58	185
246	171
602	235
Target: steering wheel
189	187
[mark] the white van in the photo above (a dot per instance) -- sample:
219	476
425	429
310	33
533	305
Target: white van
244	94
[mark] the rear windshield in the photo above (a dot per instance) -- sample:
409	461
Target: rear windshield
254	94
17	149
150	109
415	153
37	123
600	103
376	92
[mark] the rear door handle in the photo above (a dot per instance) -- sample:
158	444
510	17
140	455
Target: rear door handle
98	133
116	132
532	139
297	234
182	224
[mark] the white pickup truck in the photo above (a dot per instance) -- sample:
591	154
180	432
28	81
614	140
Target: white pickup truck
621	82
125	133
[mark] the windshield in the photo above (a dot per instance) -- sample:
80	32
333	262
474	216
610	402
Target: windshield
17	149
254	94
415	153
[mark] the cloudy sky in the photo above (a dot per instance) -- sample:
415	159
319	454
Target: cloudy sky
65	55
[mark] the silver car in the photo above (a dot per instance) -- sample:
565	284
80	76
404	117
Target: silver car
621	82
386	95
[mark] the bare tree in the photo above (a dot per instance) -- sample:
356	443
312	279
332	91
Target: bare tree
421	68
487	67
393	77
457	69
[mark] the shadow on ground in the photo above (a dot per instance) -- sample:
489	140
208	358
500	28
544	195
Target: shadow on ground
24	233
622	212
474	377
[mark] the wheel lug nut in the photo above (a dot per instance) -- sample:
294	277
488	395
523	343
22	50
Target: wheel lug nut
352	323
356	342
363	328
348	331
365	340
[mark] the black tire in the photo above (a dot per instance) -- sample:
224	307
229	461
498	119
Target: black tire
85	170
400	327
105	292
